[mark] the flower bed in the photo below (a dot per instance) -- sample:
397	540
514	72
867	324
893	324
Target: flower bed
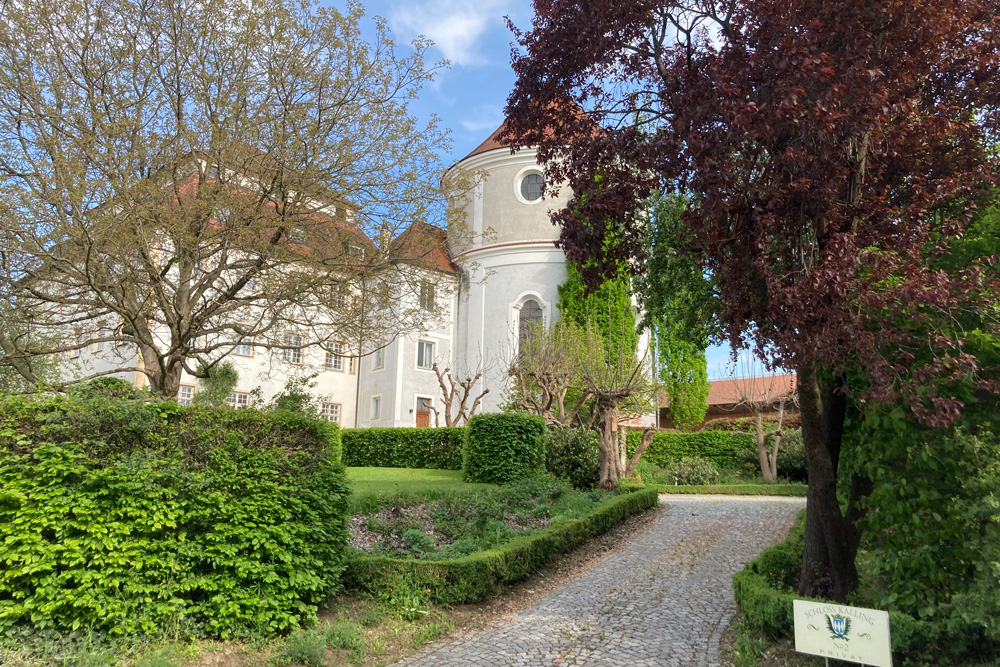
475	564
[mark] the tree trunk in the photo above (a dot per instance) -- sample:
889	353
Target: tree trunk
831	540
608	445
765	464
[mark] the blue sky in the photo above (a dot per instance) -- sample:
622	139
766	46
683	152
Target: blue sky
470	94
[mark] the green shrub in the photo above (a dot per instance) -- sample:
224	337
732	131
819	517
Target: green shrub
107	387
690	471
437	448
792	457
478	576
800	490
721	448
573	454
304	647
132	517
502	448
342	634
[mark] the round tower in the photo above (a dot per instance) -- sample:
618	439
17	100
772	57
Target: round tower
505	248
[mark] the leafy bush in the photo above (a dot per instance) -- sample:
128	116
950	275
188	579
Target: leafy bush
107	387
688	471
130	517
719	447
304	647
791	457
477	576
437	448
502	448
573	454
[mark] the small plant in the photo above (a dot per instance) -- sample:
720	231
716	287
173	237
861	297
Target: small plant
418	541
371	617
691	471
161	658
343	634
304	647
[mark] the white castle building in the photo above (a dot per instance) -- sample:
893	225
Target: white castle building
484	285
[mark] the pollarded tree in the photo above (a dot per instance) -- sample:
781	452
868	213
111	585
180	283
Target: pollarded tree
179	178
829	148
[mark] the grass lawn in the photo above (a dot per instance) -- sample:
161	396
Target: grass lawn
382	481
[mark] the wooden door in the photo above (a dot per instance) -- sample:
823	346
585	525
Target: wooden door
423	412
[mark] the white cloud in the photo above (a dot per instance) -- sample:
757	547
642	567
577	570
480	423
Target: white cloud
455	26
484	118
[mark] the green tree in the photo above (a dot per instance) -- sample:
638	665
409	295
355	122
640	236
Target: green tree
608	309
680	306
216	384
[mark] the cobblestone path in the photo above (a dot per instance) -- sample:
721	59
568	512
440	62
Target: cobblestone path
663	600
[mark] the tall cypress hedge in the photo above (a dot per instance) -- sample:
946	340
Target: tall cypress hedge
138	517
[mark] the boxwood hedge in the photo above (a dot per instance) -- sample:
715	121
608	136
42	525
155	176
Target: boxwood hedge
502	447
137	517
764	593
719	447
478	576
438	448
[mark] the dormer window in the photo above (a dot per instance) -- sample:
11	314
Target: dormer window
354	251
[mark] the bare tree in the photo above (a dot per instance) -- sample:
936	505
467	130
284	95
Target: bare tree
547	373
457	393
618	383
765	395
177	178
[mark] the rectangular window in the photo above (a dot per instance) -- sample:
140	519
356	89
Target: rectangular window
335	358
351	365
186	394
238	399
378	359
330	412
293	348
425	354
427	300
354	251
340	297
99	344
376	408
244	348
74	341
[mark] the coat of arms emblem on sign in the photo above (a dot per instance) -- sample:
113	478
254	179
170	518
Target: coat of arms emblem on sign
838	626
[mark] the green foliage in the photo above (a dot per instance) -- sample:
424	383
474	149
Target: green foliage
800	490
764	594
304	647
687	470
718	447
133	517
608	309
297	395
107	387
342	634
573	455
478	576
214	389
680	305
458	524
502	448
791	457
438	448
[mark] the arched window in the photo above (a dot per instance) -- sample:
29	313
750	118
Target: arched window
530	318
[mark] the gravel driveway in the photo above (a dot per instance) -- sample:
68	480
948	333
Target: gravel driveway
663	600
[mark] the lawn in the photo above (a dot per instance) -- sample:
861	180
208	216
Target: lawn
385	481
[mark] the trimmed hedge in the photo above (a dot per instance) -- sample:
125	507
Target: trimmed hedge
721	448
436	448
478	576
138	517
734	489
501	448
764	593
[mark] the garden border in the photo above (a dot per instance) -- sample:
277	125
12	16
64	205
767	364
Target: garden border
475	577
797	490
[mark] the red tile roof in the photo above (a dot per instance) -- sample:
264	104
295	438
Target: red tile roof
424	245
764	388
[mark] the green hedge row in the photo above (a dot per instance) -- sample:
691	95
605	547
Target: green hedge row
503	447
764	593
133	517
437	448
734	489
478	576
721	448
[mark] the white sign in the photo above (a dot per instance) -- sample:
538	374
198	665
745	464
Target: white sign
845	633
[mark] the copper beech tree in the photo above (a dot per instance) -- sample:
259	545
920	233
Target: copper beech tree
827	149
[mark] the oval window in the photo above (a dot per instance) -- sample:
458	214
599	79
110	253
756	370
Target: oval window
531	187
